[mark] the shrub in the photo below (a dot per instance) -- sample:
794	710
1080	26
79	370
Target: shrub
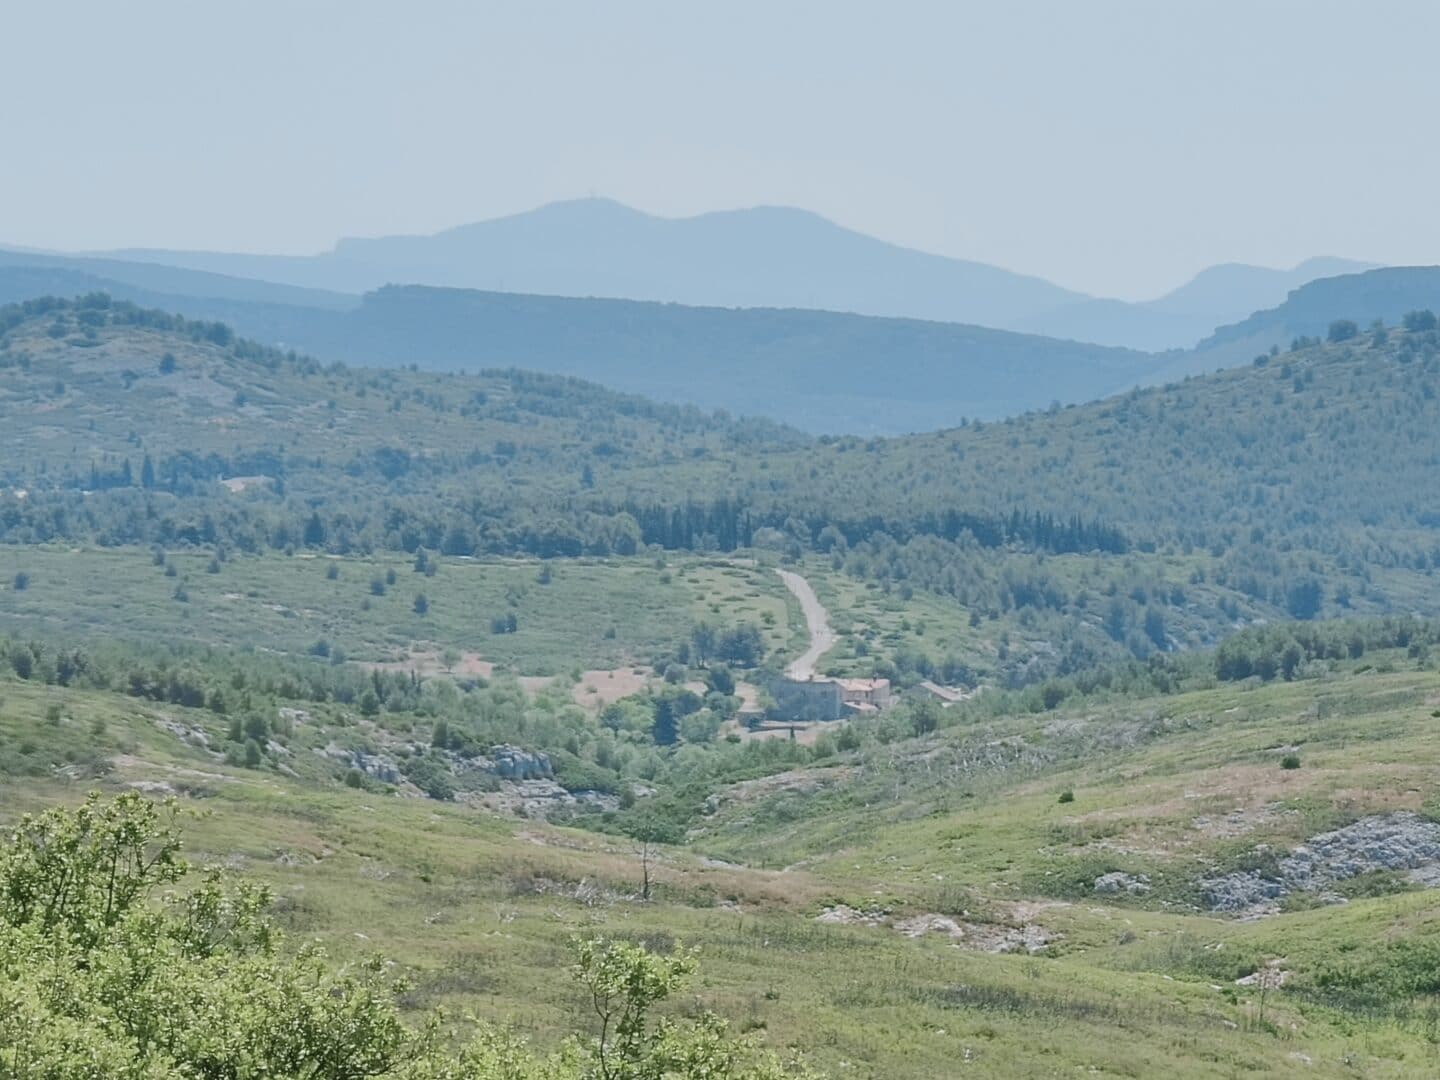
431	774
1342	330
1290	761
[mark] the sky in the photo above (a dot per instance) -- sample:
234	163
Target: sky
1112	146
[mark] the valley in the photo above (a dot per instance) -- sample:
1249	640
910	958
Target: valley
690	542
463	668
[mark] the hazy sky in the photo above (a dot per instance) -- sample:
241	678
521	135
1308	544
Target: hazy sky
1111	146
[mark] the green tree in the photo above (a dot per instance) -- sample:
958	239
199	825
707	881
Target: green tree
1342	330
625	983
314	534
721	679
665	730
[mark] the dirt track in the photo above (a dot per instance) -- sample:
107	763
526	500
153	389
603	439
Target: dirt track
822	638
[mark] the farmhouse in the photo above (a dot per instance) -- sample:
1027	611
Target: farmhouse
865	695
827	699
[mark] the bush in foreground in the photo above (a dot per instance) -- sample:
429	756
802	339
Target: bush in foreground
112	964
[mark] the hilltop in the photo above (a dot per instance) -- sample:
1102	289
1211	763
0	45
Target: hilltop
1385	294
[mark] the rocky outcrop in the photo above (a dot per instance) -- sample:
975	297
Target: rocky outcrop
1118	883
538	798
379	766
1401	841
977	937
513	763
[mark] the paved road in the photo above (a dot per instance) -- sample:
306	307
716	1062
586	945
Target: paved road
822	638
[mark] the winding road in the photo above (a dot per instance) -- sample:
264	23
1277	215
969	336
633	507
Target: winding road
822	638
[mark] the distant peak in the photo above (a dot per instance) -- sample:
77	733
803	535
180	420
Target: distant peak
1331	265
769	210
588	205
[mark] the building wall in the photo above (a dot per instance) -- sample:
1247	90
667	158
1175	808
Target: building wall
818	699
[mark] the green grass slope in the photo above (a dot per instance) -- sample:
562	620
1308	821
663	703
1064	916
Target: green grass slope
965	826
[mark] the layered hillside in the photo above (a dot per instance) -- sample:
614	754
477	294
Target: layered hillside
821	371
1216	297
763	257
1146	523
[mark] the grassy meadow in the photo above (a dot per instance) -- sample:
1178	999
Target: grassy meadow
582	613
477	909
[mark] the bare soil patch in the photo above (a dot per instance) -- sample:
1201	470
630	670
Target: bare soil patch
602	687
425	662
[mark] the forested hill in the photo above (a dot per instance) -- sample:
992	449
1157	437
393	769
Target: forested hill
1330	439
1292	449
817	370
1295	486
101	399
825	372
123	425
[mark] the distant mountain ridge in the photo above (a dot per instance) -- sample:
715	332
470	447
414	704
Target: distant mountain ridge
759	257
159	279
766	256
826	372
1215	297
